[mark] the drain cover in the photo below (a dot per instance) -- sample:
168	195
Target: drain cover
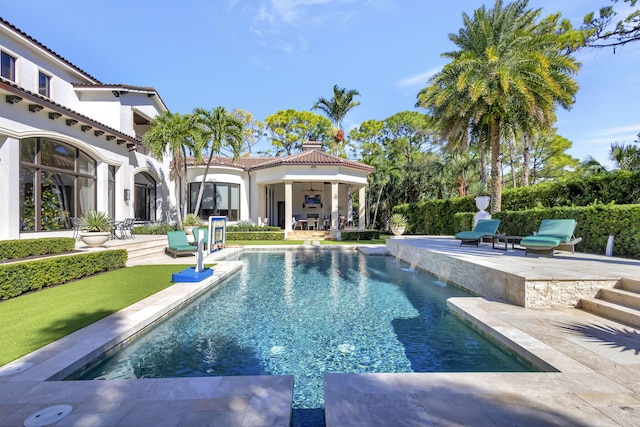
47	416
14	368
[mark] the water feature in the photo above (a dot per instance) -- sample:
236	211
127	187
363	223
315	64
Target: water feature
307	313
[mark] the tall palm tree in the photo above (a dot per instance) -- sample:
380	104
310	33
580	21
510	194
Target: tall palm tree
222	130
336	109
177	135
506	68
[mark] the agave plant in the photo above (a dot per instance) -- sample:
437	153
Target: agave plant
95	221
398	220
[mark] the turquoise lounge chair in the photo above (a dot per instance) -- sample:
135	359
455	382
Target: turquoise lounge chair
484	228
196	235
552	234
178	244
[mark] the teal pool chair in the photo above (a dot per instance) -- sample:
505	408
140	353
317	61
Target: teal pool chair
178	244
553	234
484	228
196	236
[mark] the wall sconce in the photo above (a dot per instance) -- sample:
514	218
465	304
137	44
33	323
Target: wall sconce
127	195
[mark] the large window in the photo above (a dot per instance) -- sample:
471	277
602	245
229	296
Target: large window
44	85
57	182
218	198
8	64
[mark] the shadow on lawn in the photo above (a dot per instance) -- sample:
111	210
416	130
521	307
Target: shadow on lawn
63	327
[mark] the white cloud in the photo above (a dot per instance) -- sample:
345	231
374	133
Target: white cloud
419	80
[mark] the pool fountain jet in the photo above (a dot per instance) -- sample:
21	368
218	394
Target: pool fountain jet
197	273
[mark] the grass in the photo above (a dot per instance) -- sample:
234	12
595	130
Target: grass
31	321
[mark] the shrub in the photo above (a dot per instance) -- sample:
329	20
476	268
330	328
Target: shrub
154	229
249	226
256	235
360	235
19	278
16	249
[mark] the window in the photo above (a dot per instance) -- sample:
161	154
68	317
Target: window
219	199
44	85
57	182
8	66
111	192
145	197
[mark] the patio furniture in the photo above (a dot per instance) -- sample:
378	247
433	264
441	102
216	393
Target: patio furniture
502	238
178	244
299	223
75	226
483	228
552	234
312	224
196	236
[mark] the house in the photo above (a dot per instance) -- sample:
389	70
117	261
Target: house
70	143
309	184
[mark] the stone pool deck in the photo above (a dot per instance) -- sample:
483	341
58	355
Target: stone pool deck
592	366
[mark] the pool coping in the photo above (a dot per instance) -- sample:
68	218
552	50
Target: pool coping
268	399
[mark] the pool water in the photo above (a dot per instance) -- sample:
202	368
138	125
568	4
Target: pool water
307	313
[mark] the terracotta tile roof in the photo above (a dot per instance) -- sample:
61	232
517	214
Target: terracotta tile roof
311	157
11	87
314	157
42	46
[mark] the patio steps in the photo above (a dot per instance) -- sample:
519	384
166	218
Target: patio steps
149	248
621	303
308	235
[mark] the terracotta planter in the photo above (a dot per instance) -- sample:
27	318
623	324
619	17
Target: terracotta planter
95	239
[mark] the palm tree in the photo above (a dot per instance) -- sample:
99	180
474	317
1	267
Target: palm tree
222	130
626	157
506	69
178	135
336	109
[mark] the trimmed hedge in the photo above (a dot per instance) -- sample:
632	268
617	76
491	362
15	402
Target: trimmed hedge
255	235
251	227
16	249
19	278
154	229
434	216
360	235
595	224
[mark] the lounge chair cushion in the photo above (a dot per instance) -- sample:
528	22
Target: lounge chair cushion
551	234
178	244
484	227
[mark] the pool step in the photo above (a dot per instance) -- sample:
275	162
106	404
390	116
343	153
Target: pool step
621	303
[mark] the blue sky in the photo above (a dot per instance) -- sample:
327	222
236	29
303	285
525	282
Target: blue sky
266	55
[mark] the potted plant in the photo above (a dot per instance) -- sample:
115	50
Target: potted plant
95	228
190	222
398	223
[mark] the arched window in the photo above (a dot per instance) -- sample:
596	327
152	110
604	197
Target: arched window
57	182
145	197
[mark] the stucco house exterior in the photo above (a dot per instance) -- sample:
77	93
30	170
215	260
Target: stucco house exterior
70	143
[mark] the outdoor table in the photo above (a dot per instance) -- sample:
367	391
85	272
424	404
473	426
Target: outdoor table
499	238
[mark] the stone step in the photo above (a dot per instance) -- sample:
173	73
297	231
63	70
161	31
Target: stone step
617	312
621	297
630	285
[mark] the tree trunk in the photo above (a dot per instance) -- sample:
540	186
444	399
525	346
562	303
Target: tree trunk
512	164
526	167
375	213
201	190
496	179
483	163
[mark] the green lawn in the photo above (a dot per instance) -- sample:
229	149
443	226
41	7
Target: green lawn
31	321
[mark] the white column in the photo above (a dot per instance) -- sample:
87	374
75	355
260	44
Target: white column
288	205
362	209
10	190
335	216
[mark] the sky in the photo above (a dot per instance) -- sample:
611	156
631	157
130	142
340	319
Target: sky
263	56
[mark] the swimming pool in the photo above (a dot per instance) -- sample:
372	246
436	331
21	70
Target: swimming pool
306	313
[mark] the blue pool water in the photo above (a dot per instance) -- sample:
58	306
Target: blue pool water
307	313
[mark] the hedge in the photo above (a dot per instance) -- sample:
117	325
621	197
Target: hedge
360	235
19	278
16	249
255	235
595	224
154	229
